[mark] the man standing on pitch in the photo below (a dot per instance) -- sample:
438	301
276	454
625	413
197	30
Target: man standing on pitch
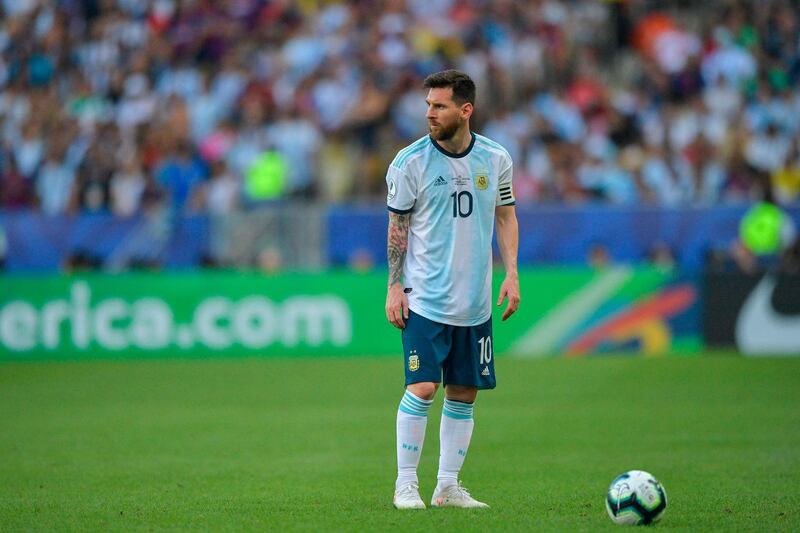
445	192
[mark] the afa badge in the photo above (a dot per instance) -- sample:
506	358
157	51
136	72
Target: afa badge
413	361
482	181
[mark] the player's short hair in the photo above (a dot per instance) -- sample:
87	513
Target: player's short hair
462	85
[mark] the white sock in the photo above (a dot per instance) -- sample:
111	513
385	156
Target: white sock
412	417
454	436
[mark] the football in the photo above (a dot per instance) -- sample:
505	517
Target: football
636	498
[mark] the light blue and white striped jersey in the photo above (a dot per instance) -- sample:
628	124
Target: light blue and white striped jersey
451	199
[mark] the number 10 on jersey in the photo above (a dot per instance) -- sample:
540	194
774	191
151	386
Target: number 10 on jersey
462	208
486	349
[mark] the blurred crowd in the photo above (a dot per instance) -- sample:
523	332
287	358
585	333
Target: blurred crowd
214	105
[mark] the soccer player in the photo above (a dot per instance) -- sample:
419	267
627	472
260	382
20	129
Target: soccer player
446	191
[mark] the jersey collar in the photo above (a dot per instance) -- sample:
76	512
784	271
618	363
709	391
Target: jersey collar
451	154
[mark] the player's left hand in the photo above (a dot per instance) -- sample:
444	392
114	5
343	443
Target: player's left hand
509	289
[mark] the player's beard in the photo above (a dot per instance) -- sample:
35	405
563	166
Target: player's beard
446	133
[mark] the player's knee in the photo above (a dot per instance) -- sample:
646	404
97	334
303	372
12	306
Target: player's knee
424	390
461	393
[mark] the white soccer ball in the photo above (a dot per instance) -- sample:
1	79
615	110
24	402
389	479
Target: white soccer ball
635	498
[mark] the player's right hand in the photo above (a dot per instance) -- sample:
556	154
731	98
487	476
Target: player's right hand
396	306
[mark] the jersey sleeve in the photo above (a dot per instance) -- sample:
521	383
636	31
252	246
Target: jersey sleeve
505	192
402	191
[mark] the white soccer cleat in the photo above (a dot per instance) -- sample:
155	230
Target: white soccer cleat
407	497
455	496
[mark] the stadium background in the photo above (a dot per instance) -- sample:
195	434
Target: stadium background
204	179
194	137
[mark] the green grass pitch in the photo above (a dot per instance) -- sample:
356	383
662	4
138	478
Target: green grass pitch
308	445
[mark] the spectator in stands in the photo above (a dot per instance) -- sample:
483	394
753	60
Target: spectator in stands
81	261
598	256
223	190
127	188
16	191
265	179
361	260
54	181
29	149
296	137
269	260
90	191
786	180
181	175
334	89
766	234
661	256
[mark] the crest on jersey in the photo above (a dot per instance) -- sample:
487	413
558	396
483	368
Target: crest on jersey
392	189
482	181
413	361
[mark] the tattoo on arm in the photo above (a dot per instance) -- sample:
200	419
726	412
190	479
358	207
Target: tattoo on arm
397	245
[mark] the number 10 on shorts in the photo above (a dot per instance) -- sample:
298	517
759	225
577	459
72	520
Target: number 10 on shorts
486	349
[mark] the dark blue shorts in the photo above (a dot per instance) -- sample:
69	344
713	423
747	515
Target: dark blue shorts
463	355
